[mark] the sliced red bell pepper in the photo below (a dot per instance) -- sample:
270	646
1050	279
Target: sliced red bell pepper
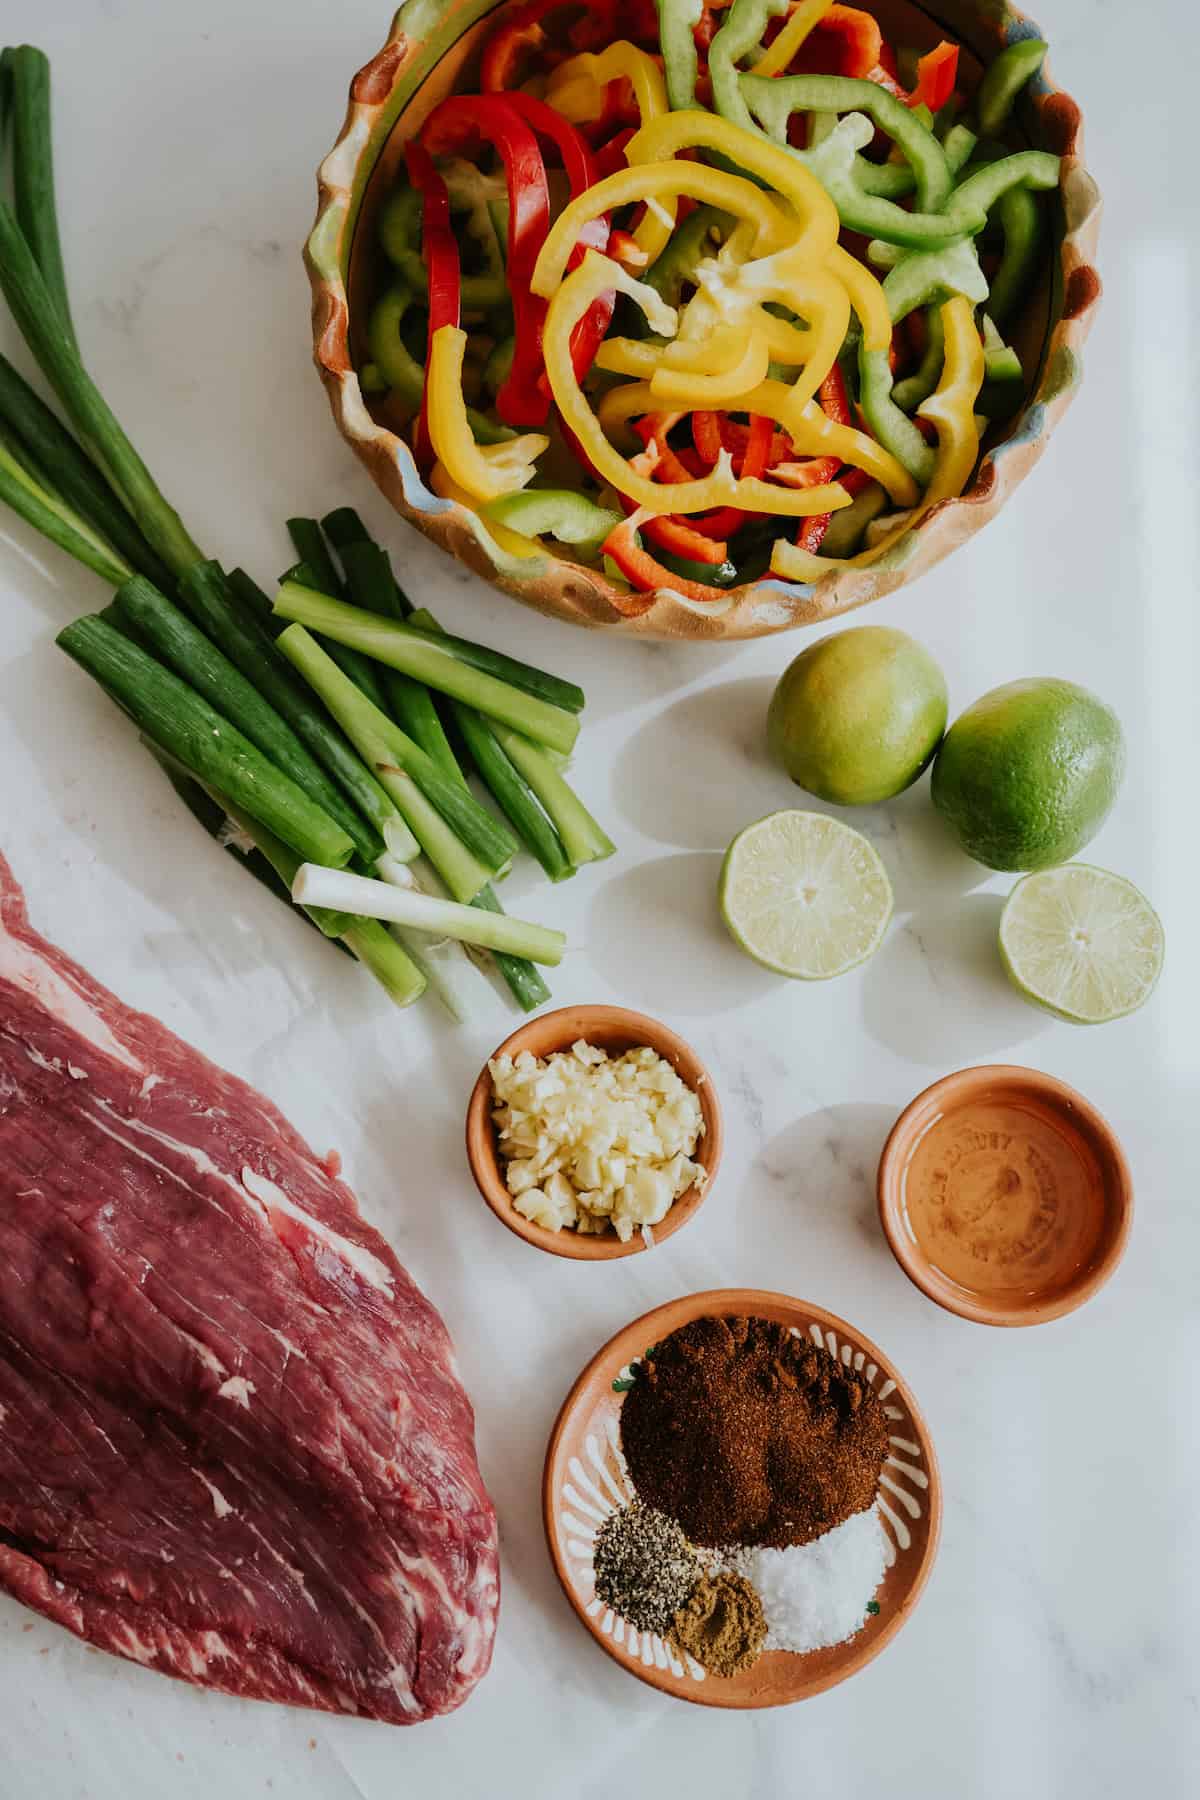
439	252
832	398
936	75
611	156
580	168
812	530
517	37
624	248
640	568
811	473
521	35
468	119
846	41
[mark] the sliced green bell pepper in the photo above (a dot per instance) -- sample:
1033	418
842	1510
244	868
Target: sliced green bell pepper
394	366
677	20
498	364
399	230
894	429
708	574
1023	225
924	276
845	531
909	393
1003	81
686	249
743	31
558	512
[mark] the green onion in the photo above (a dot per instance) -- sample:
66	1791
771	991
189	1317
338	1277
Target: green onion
215	821
417	654
34	309
582	838
316	886
388	750
369	941
61	466
234	629
371	584
509	788
448	968
33	174
361	670
513	793
530	680
184	648
50	515
207	745
523	980
311	550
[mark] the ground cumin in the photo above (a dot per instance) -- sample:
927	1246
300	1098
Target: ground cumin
722	1624
746	1434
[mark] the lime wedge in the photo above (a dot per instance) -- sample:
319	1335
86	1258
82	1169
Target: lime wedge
1082	943
804	895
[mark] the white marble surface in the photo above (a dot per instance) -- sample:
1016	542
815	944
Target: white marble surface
1054	1652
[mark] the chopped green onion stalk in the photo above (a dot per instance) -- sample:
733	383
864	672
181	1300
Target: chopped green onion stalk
311	549
417	654
234	628
531	680
447	968
184	648
34	309
582	838
508	787
369	729
361	670
215	821
207	745
339	888
54	518
522	978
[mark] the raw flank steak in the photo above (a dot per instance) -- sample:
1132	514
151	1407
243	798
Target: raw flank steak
233	1442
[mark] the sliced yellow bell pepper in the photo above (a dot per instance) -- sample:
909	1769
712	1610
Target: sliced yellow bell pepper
576	90
779	54
484	471
568	88
656	181
866	297
515	542
816	225
594	276
682	387
952	409
633	400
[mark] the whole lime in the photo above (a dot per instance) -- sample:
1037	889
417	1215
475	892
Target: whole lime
857	717
1026	777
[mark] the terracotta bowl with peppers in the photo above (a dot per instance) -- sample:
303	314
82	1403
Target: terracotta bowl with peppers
703	320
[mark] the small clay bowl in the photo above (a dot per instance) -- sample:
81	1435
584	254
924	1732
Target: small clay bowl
1005	1196
614	1029
585	1479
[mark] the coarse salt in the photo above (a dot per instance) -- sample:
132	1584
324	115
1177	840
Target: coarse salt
814	1595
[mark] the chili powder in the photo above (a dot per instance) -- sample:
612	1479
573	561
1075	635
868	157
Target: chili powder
747	1434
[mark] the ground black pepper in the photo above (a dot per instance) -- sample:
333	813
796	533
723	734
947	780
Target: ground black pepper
645	1567
746	1434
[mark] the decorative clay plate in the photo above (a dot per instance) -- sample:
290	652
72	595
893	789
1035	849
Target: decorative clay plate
433	46
585	1480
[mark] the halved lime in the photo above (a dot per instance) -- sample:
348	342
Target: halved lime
804	895
1081	943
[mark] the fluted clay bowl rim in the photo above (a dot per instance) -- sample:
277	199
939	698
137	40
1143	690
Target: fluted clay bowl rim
611	1028
911	1491
1064	1290
403	80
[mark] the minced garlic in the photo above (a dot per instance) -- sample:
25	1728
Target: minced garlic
592	1141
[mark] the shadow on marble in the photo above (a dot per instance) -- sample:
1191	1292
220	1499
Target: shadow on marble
936	992
820	1179
655	933
698	771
